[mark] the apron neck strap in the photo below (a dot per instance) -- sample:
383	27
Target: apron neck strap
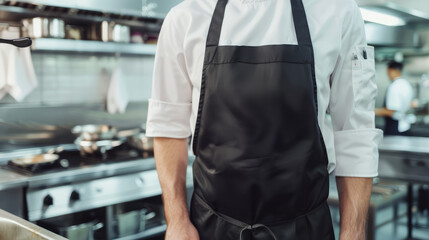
216	24
300	22
299	19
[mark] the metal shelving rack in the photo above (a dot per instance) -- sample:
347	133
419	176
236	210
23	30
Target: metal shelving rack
86	46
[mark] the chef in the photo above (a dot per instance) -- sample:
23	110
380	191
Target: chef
277	95
398	100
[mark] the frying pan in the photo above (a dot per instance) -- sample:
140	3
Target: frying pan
88	148
92	132
141	142
40	159
35	162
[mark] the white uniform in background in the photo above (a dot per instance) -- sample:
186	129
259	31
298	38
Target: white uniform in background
346	86
398	98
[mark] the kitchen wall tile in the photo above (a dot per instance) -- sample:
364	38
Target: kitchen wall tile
82	79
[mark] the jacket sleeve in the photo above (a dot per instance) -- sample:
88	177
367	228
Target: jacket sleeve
352	101
170	106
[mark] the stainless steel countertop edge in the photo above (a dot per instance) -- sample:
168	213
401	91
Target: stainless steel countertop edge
10	179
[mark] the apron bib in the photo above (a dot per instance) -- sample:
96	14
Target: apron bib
261	164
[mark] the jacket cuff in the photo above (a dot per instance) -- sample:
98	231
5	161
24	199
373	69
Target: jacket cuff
171	120
357	152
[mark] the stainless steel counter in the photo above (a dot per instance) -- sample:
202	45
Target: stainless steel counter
9	179
13	227
404	158
405	144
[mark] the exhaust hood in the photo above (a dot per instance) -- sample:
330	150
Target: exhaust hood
133	8
395	23
395	12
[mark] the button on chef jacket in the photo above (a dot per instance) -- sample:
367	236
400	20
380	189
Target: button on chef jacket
346	88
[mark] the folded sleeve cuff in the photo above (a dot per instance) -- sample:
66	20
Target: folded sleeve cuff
356	152
167	119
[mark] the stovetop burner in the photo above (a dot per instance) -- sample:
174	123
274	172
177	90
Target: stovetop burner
70	159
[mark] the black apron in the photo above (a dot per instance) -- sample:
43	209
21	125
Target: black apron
261	164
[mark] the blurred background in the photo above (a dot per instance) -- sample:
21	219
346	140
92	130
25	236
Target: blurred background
74	158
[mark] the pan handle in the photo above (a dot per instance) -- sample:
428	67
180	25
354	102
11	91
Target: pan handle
21	42
128	133
97	226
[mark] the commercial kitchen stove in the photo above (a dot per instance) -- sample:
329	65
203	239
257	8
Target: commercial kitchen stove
75	183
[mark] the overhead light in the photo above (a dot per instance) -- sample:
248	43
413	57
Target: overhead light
381	18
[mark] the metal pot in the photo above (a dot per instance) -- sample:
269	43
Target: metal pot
141	142
92	132
132	222
109	32
88	148
84	231
44	27
57	28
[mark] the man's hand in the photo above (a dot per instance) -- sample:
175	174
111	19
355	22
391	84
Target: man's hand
181	231
171	158
354	195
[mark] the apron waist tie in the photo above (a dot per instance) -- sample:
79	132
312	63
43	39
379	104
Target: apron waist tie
255	226
233	221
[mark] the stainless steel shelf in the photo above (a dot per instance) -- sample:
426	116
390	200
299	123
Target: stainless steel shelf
85	46
151	232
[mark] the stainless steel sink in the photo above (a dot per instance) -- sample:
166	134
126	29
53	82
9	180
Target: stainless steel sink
13	227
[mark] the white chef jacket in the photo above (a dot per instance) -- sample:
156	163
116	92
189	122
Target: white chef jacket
398	98
346	88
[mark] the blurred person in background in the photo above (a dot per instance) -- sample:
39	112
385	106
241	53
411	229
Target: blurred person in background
397	102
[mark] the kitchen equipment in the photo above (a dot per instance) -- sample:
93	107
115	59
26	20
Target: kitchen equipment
83	231
21	43
81	226
9	31
37	159
44	27
13	227
133	221
137	37
74	32
128	133
36	27
141	142
92	132
120	33
89	189
38	163
47	159
128	223
145	217
96	148
56	28
109	32
405	158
